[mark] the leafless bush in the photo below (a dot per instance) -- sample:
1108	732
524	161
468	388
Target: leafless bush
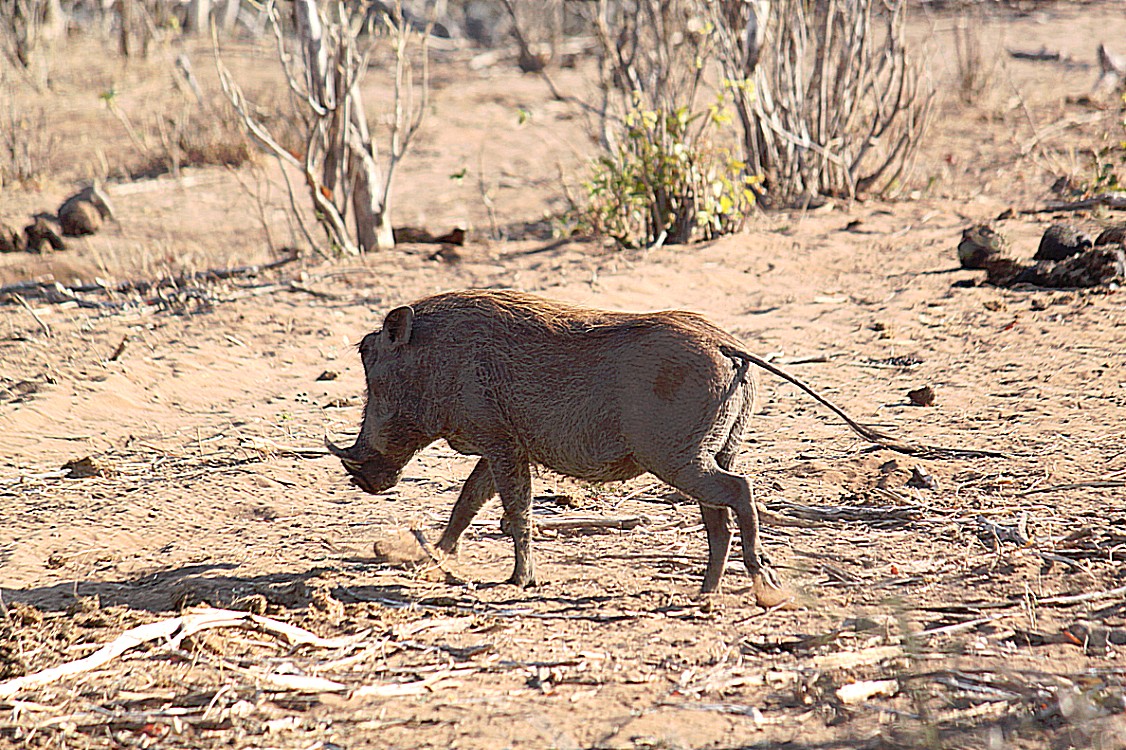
26	144
538	29
339	159
829	98
974	72
651	55
27	30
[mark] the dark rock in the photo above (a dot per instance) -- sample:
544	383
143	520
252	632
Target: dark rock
1099	266
1112	236
1062	241
41	236
980	245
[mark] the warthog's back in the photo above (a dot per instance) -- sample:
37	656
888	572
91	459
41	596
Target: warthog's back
591	393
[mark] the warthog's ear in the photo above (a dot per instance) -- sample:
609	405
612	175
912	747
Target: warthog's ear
397	327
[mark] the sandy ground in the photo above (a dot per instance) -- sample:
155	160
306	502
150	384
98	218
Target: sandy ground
971	614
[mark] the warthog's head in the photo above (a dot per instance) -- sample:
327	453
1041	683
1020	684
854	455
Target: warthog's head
388	438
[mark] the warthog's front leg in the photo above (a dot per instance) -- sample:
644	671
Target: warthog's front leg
476	491
512	477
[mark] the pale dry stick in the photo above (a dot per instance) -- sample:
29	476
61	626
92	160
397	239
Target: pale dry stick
1063	601
173	630
576	523
436	557
490	206
23	303
958	627
1097	484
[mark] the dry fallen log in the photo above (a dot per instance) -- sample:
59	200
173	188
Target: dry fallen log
1109	200
172	631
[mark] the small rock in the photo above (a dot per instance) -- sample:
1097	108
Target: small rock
328	375
1112	236
920	479
922	396
1097	266
980	245
84	212
41	236
83	468
11	241
1062	241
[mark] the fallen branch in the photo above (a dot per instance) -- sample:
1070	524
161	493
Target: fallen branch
572	523
172	631
1001	533
1098	483
23	303
53	291
1041	55
1109	200
1063	601
852	512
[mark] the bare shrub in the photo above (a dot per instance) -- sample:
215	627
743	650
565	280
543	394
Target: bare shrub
538	29
193	136
26	144
974	73
339	159
829	98
27	27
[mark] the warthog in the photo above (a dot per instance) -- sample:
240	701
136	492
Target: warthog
597	395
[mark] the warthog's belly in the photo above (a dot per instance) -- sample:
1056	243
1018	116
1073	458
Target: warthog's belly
614	470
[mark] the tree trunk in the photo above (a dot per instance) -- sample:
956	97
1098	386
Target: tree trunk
308	24
229	16
125	39
371	200
54	21
199	11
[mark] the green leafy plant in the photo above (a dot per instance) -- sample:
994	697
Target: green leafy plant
667	180
1107	172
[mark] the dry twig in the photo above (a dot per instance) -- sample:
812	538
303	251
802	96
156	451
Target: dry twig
172	631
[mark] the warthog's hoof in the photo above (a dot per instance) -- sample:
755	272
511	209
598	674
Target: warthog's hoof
771	594
524	581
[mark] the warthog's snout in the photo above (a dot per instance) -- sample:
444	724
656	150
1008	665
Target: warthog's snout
370	472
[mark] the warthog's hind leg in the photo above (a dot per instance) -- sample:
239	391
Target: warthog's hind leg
713	486
717	524
476	491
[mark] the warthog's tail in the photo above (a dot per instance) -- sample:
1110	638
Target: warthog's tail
742	359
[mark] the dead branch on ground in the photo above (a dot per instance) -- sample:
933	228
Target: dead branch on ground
58	293
171	632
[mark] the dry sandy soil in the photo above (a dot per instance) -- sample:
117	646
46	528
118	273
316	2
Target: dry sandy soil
974	614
